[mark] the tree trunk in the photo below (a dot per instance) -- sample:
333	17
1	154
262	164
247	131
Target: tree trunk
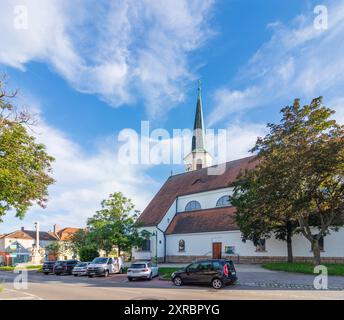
289	244
316	252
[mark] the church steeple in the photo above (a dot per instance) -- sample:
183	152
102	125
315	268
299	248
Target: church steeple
198	138
198	158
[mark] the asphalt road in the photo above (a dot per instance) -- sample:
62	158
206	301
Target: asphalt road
255	283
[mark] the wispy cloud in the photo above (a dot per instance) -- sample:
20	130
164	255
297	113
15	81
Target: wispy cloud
298	61
83	180
121	50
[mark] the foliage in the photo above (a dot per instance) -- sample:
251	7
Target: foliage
114	225
87	253
299	176
55	248
25	166
166	273
333	269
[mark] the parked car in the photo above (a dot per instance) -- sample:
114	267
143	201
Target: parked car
65	266
80	269
48	267
142	270
216	272
104	266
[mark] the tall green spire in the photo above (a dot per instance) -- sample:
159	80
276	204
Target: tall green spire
198	138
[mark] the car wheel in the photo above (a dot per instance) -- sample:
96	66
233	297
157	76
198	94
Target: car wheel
46	273
177	281
216	283
130	279
150	277
90	276
120	271
106	273
75	275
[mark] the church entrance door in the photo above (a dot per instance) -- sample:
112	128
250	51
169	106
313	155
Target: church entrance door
217	246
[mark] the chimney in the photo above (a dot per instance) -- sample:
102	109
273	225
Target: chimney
57	228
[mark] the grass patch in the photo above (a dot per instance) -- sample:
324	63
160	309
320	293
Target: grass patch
10	268
165	273
334	269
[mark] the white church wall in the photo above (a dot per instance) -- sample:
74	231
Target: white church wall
207	199
200	244
166	220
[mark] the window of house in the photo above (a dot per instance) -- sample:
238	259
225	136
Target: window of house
193	205
223	202
146	245
181	245
321	244
260	245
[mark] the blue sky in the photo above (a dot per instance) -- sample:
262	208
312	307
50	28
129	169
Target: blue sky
89	69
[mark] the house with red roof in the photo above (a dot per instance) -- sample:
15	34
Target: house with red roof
191	216
20	246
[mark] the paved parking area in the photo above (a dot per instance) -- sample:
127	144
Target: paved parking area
254	283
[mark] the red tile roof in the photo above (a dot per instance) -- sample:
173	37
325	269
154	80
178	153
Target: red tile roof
208	220
67	233
188	183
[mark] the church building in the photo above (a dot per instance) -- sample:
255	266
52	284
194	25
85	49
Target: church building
192	218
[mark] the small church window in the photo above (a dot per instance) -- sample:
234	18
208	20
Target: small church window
223	202
181	245
193	205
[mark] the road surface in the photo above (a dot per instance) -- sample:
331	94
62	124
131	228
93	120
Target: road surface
255	283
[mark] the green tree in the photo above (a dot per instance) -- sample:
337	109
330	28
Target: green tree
25	166
55	249
300	173
114	225
88	253
259	213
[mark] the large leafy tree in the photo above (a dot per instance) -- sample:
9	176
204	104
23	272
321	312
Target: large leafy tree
259	213
114	225
299	176
25	166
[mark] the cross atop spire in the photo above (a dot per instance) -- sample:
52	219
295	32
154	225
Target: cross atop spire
198	139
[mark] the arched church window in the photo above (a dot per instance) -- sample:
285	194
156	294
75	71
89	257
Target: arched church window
223	202
193	205
181	245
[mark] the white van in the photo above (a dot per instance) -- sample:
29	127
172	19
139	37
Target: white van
104	266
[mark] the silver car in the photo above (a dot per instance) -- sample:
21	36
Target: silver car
80	269
142	270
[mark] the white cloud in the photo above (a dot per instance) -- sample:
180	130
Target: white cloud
122	50
299	61
83	181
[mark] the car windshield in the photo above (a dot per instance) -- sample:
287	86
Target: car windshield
100	260
138	266
82	264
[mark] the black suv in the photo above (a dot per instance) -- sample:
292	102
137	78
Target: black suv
65	266
217	272
48	267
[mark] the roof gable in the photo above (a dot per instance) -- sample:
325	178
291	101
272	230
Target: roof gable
189	183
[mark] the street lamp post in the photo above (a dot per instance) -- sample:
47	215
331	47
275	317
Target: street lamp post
155	233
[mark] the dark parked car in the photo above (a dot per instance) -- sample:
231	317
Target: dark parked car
65	266
48	267
216	272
